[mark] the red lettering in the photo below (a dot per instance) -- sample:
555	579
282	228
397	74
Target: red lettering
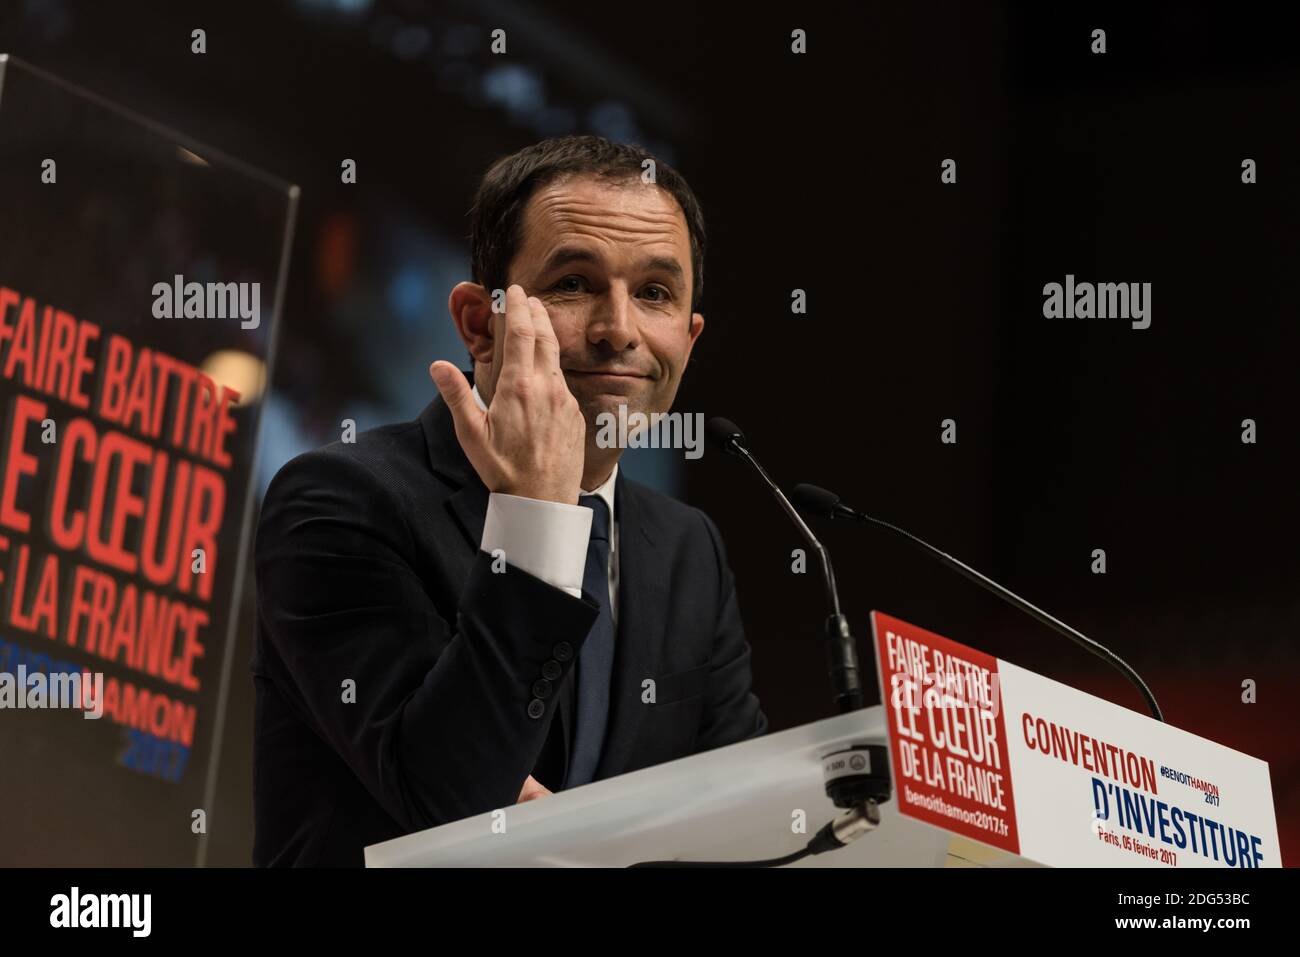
18	463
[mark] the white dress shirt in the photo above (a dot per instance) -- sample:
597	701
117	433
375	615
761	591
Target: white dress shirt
549	539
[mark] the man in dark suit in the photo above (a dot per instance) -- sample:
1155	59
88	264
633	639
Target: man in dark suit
475	608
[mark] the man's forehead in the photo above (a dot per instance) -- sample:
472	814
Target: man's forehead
618	213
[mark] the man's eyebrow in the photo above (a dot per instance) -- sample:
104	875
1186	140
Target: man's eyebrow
569	254
665	264
566	255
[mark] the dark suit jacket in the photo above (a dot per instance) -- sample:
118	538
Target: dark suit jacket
370	578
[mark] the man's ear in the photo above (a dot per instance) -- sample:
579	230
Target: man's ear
470	306
697	326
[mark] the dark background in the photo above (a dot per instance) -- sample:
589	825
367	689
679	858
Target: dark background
821	172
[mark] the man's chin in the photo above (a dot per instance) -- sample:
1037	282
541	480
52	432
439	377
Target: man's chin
607	393
594	406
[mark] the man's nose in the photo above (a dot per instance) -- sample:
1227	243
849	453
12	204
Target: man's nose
614	320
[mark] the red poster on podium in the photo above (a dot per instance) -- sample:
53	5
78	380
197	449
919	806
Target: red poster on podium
998	754
949	744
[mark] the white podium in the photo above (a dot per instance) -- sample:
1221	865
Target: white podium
994	766
732	803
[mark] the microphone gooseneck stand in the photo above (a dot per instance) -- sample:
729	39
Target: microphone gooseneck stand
856	778
819	501
841	650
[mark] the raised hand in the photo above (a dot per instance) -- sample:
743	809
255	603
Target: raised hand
530	441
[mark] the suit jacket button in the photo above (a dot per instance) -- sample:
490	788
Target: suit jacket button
536	708
541	688
551	671
563	651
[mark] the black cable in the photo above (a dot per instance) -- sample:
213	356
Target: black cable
835	834
770	862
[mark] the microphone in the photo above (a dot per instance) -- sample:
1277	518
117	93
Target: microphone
820	502
842	652
726	435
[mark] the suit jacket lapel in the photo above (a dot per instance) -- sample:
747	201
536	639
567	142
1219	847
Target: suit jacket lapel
642	594
468	499
468	505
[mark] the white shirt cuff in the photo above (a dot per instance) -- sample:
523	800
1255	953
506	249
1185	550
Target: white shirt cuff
546	539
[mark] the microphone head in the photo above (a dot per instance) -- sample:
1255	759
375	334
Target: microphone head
725	434
815	500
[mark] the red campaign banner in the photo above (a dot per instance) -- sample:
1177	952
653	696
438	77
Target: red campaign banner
948	740
127	455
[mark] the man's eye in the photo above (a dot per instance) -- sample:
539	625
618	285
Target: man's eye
570	284
656	293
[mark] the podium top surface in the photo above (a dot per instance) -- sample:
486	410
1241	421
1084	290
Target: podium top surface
734	803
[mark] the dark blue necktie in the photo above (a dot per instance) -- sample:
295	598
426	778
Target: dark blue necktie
596	660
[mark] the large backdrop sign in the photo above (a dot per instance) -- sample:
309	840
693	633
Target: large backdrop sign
140	277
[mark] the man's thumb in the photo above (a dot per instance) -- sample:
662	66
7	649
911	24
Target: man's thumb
451	384
455	391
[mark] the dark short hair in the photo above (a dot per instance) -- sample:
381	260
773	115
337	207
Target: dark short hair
510	182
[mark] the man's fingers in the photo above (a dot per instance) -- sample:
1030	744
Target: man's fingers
548	346
455	391
531	790
520	334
